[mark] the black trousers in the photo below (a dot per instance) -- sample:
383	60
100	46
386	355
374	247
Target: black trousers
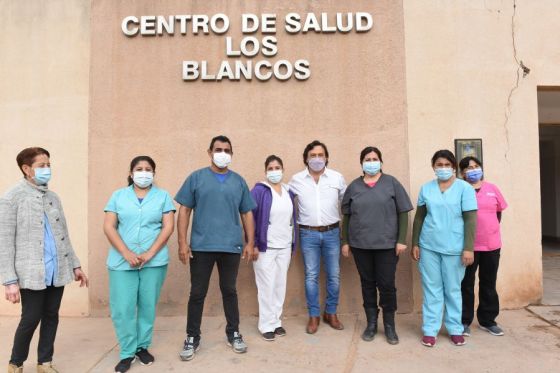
377	272
202	264
487	263
37	306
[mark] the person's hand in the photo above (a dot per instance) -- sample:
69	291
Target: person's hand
255	254
345	250
415	253
247	253
400	248
467	258
145	257
12	293
79	275
185	253
132	259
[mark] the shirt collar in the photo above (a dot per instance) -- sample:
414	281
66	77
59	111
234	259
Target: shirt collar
39	188
148	195
325	173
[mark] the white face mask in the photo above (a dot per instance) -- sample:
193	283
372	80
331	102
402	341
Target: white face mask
274	176
143	179
221	160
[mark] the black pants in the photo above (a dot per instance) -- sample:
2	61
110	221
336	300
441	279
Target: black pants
377	271
202	265
488	302
37	306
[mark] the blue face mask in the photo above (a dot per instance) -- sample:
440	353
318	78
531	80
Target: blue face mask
371	168
42	175
473	176
274	176
444	173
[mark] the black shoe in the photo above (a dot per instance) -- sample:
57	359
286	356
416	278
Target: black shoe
280	331
268	336
145	357
371	327
390	330
124	364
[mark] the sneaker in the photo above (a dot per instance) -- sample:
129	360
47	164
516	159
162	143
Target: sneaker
124	364
428	341
191	345
458	340
268	336
494	330
145	357
46	368
280	331
466	330
236	343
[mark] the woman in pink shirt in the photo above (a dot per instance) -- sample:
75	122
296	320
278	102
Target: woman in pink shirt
487	246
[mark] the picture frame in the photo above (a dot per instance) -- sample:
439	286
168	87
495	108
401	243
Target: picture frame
468	147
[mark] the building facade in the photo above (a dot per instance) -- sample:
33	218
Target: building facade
424	74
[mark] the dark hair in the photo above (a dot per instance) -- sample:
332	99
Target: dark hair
464	164
368	150
447	154
137	160
272	158
27	156
220	138
310	146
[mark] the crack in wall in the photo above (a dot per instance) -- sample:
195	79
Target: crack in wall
520	67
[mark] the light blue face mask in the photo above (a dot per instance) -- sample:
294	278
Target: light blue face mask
371	168
274	176
444	173
42	175
143	179
473	176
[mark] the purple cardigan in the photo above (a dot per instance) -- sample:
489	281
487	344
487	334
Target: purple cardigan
262	194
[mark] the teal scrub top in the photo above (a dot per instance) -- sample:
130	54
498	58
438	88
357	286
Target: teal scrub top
139	224
443	228
216	205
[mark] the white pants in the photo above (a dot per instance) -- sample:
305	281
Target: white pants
271	273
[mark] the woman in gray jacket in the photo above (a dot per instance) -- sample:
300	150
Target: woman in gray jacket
36	257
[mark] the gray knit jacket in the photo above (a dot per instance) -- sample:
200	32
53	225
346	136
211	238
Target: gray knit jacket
22	232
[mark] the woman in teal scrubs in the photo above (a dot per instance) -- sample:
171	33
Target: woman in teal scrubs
443	239
139	220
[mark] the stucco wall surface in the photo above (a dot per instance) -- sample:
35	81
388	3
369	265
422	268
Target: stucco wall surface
140	105
464	80
44	90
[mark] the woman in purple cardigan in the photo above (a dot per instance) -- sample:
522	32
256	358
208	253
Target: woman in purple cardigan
275	241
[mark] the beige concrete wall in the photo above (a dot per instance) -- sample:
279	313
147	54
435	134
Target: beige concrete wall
44	64
140	105
462	82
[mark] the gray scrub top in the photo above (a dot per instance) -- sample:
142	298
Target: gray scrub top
374	212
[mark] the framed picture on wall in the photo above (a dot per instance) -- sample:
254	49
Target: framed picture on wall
468	147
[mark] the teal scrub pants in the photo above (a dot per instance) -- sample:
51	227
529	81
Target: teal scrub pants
133	296
441	284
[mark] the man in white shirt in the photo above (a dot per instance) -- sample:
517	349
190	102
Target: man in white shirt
319	191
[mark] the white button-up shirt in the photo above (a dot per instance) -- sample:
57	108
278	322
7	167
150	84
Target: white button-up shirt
318	203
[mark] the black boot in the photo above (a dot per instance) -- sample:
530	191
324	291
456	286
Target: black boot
371	327
390	330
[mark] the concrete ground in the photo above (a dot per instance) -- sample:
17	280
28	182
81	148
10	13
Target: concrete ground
531	344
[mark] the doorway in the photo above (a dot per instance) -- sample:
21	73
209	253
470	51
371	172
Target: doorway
549	154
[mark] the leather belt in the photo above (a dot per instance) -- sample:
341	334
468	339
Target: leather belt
323	228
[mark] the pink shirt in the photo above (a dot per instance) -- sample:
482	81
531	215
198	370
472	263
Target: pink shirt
490	201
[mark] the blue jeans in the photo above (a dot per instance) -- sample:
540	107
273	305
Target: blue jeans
315	245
